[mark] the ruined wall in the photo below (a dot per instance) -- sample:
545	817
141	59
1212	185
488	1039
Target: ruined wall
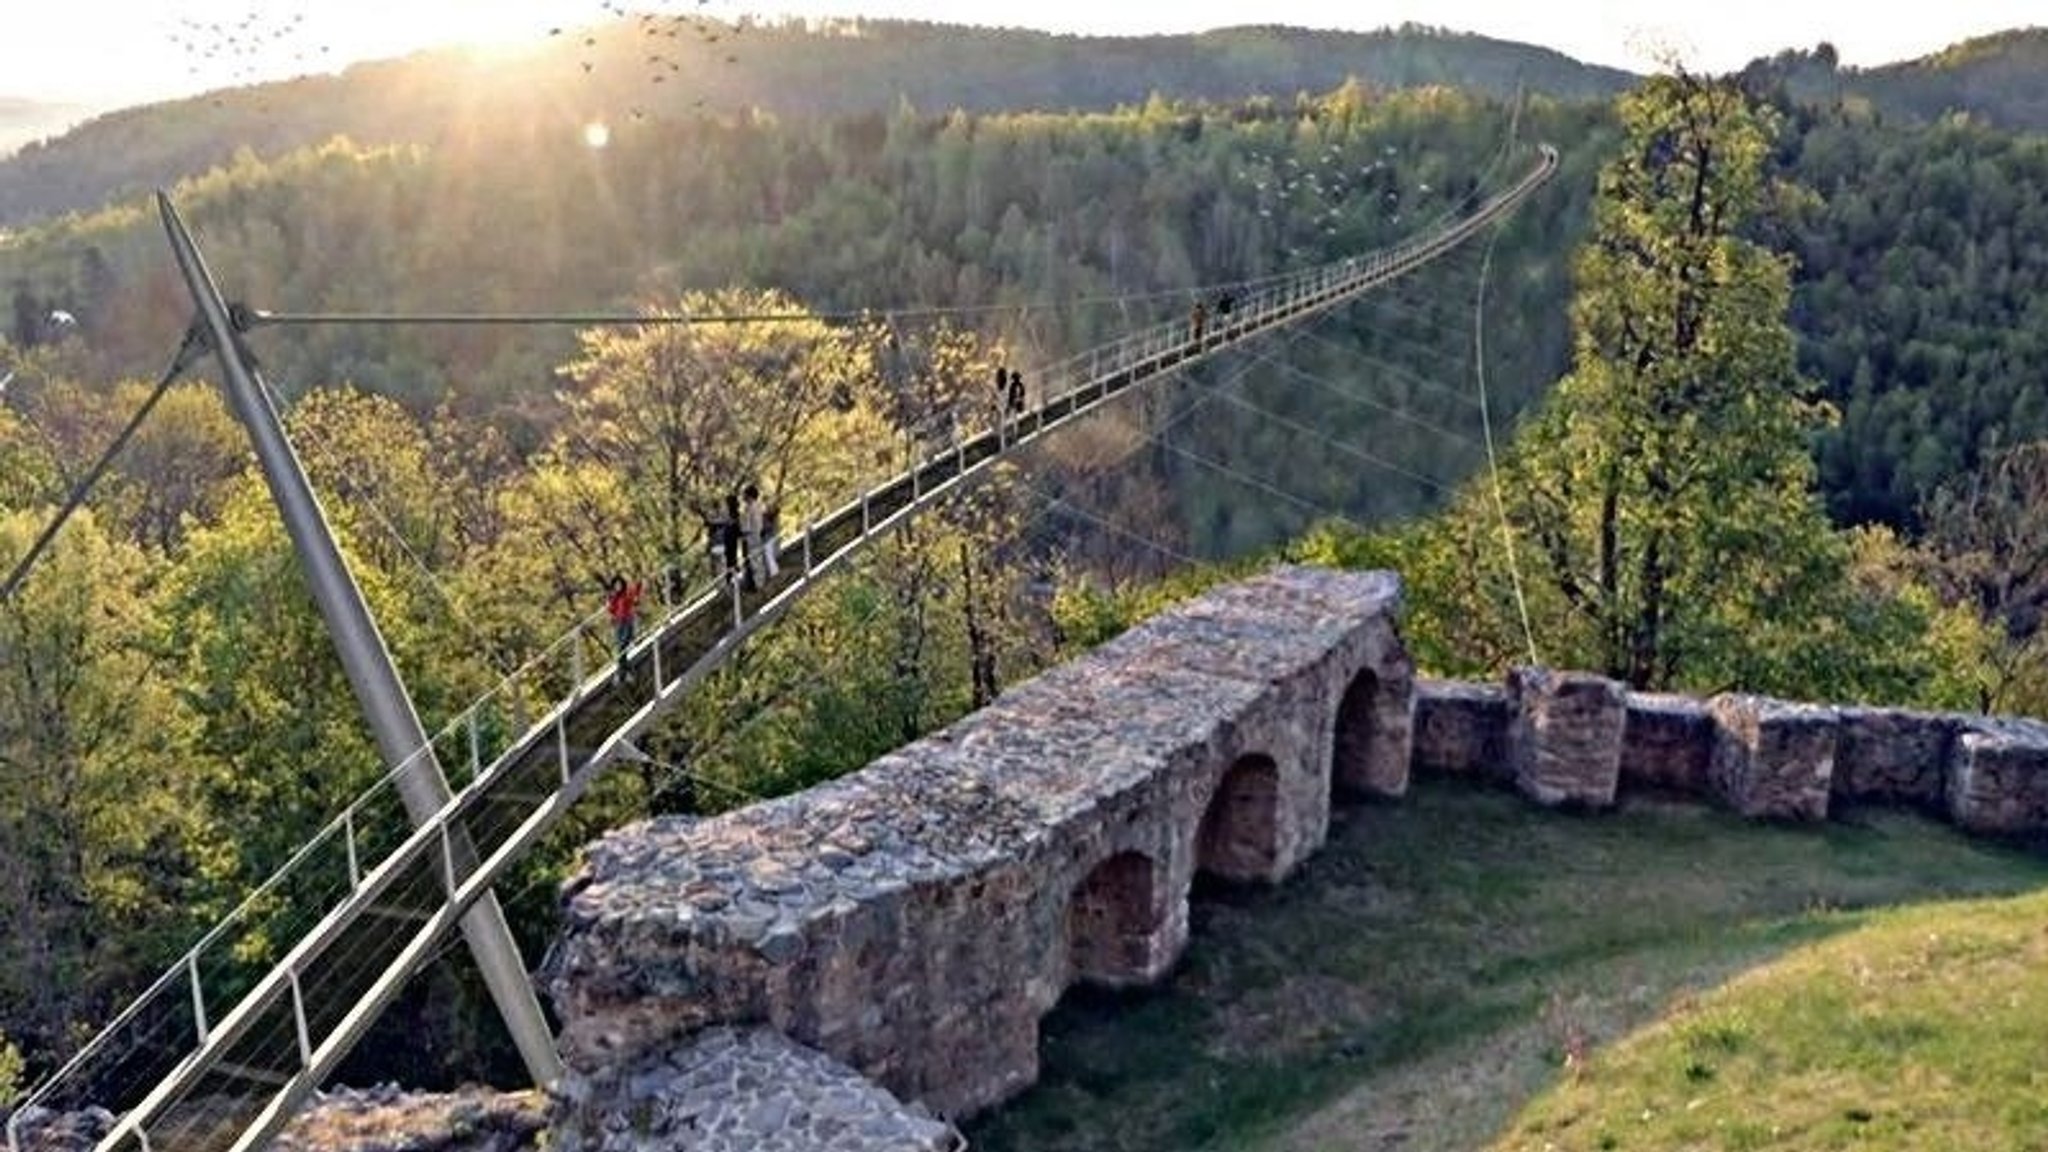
910	923
916	918
1575	738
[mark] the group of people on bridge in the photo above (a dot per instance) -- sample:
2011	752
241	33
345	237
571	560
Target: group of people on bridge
742	547
743	544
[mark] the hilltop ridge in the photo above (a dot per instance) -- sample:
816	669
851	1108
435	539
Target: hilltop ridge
23	119
840	69
2001	78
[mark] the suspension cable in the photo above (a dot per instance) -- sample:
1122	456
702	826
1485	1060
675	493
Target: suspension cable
189	349
1507	532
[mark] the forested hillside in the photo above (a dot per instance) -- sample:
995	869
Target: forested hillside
629	70
1996	79
167	678
24	120
889	213
1922	300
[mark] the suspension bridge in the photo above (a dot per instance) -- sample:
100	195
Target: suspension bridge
214	1055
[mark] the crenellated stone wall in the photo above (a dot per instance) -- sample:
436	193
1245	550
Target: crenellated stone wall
910	923
1553	735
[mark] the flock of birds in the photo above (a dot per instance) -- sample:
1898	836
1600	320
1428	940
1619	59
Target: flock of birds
663	34
1317	191
263	43
246	49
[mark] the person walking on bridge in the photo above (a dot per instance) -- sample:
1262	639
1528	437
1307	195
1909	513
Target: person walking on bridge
753	525
622	604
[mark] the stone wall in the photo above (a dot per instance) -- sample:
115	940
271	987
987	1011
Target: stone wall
915	919
1554	736
787	975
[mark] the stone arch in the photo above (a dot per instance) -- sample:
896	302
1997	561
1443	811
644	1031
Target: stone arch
1240	833
1113	922
1369	757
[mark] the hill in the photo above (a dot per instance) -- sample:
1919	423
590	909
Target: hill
1914	1031
23	120
2000	79
629	70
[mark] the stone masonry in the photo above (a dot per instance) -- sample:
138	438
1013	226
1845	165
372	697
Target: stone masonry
742	1090
916	918
1773	759
1667	743
1893	756
1564	736
1998	777
1460	729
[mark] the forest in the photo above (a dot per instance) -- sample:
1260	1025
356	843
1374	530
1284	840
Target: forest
664	68
1845	506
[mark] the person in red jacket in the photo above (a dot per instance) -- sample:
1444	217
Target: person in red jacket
622	602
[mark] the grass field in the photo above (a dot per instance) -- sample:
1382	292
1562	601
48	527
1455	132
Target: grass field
1450	958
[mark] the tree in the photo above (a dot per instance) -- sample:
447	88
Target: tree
1987	541
179	463
685	415
104	843
1665	489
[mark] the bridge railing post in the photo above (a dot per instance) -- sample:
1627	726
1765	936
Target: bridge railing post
810	533
299	1018
348	835
447	862
576	657
198	1001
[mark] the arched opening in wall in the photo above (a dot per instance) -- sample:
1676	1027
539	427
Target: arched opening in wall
1240	834
1351	767
1112	920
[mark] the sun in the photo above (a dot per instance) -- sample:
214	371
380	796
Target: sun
597	134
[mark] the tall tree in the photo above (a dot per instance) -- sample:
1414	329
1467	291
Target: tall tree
686	414
103	833
1987	537
1665	489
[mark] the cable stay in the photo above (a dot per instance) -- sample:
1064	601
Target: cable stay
182	1071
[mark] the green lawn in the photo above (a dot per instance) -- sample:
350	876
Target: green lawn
1444	958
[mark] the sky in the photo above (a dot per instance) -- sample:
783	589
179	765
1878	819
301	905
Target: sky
105	53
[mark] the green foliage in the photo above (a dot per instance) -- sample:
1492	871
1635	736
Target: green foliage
979	212
1923	265
10	1073
107	846
1655	521
1661	498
